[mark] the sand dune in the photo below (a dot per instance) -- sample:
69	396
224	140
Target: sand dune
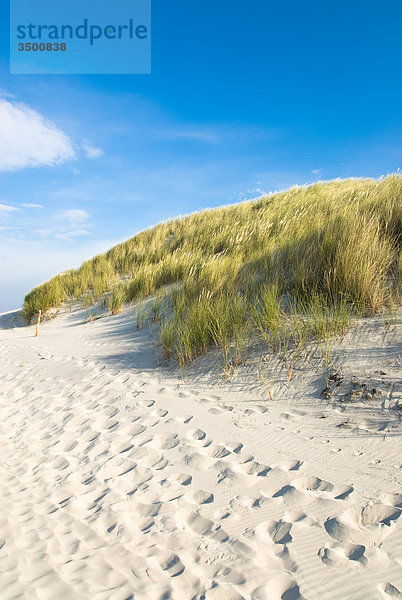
121	480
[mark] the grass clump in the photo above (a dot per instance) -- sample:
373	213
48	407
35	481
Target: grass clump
286	268
116	299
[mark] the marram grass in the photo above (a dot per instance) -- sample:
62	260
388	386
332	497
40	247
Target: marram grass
284	268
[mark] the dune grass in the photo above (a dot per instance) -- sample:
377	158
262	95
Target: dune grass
285	268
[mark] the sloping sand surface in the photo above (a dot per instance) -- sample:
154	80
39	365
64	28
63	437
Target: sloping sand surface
119	479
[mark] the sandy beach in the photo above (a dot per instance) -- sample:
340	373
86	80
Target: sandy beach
123	478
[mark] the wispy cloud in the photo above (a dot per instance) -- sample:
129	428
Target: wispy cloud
31	205
27	139
91	151
6	209
212	133
316	171
72	224
70	235
75	215
6	94
43	232
200	134
64	225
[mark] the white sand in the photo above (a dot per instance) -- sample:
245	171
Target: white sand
120	480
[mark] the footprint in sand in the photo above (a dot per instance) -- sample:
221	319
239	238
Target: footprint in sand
311	483
105	423
110	411
253	467
219	410
222	592
234	447
160	412
217	451
171	563
184	419
370	523
165	442
389	591
143	403
282	587
121	444
196	434
288	465
334	555
60	463
182	479
348	554
200	497
298	517
277	531
197	461
90	435
115	467
342	492
392	499
319	486
244	501
68	445
291	496
227	475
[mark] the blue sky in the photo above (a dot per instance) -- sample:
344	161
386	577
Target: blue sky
243	98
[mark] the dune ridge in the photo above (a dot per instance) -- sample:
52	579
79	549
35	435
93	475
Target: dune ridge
285	268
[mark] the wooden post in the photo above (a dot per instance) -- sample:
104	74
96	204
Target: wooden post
37	323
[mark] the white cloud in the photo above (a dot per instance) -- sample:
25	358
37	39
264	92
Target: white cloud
31	205
69	235
203	134
5	94
316	171
212	133
27	139
75	215
5	209
74	222
91	151
43	232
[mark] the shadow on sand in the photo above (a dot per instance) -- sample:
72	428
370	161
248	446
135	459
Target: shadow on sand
12	319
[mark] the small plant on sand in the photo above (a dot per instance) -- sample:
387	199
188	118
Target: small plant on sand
141	315
116	299
168	338
291	361
89	299
157	306
267	314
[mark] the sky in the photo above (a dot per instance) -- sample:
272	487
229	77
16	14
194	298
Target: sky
244	98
